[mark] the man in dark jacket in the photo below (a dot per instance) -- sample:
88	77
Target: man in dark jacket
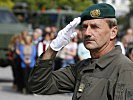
108	75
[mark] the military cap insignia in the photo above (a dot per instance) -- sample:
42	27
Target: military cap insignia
95	13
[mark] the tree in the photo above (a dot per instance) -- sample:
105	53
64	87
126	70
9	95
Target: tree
95	1
78	5
7	4
131	5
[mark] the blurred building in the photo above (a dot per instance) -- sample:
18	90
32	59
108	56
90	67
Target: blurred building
121	6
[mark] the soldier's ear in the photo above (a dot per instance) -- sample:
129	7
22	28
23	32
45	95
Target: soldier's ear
114	31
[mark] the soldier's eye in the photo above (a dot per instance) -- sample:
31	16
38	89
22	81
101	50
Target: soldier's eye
94	26
84	27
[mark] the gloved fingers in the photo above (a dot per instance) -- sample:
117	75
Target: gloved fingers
64	32
74	34
60	32
65	35
73	24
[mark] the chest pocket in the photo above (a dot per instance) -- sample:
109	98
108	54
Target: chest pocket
95	85
92	88
92	84
119	92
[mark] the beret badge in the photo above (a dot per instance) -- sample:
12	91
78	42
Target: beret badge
95	13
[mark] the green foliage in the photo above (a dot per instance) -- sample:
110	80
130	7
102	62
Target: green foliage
78	5
7	4
32	4
131	4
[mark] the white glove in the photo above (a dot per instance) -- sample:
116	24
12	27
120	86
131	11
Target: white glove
65	35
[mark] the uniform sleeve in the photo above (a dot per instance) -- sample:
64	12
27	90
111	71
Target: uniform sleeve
43	80
124	86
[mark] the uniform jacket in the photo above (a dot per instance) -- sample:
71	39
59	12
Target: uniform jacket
107	78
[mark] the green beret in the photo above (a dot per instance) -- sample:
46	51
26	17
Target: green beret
97	11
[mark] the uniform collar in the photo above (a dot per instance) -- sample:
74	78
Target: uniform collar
104	61
109	57
89	64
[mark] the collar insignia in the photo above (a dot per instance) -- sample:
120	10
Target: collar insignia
81	87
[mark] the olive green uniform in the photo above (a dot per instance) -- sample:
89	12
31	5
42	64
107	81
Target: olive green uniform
107	78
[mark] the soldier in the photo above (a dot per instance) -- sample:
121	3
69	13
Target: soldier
108	75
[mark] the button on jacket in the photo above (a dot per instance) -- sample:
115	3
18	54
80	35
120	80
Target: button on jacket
107	78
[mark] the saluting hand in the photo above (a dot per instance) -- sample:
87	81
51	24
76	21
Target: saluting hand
65	35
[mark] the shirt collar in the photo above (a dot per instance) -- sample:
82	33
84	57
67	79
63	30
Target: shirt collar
109	57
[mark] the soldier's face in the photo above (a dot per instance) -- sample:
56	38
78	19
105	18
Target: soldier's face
96	33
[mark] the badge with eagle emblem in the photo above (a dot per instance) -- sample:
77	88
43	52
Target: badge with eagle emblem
95	13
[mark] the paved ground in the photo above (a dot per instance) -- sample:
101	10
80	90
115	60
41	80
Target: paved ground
7	93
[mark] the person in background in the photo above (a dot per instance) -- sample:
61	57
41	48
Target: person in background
125	41
122	46
23	35
79	35
127	38
43	45
82	52
37	36
14	46
129	33
107	75
130	51
54	29
70	51
28	58
13	58
47	30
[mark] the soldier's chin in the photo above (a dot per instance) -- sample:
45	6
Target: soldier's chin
90	47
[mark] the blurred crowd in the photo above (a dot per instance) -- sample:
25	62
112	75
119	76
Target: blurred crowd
25	48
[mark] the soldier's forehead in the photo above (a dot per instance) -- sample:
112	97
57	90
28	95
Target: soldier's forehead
94	21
